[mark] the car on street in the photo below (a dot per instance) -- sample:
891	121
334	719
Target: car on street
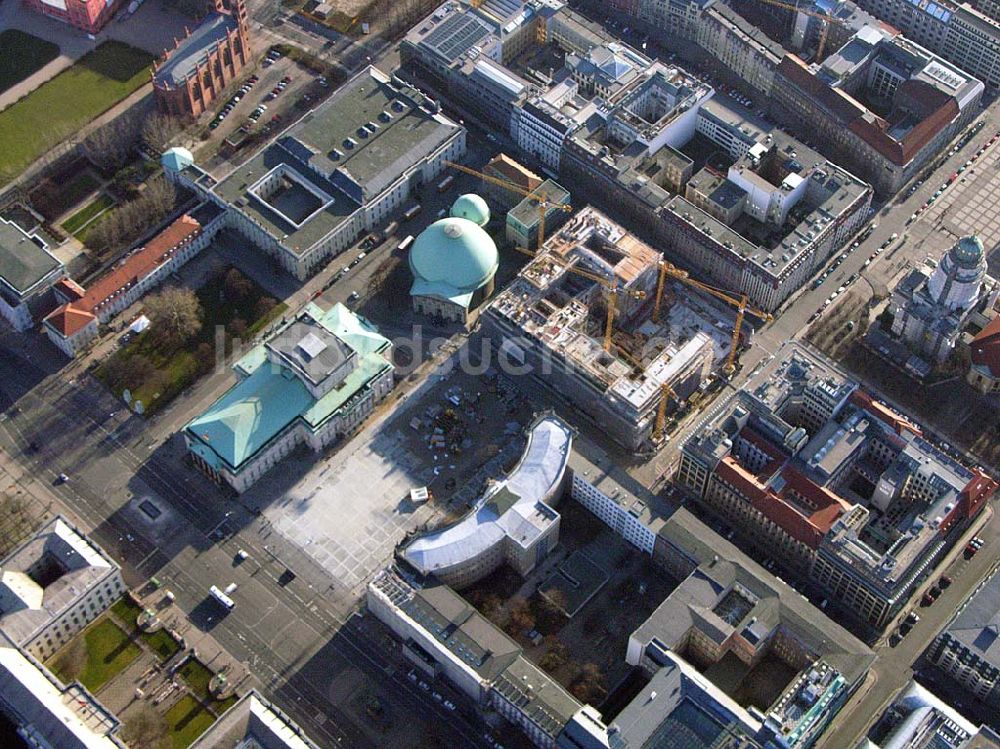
945	581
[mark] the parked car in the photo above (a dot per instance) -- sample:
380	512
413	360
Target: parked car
945	581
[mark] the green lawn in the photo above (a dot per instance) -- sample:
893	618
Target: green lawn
180	368
63	105
22	55
125	610
160	642
197	676
78	220
187	720
109	650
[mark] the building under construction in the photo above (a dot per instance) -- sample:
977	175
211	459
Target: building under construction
592	316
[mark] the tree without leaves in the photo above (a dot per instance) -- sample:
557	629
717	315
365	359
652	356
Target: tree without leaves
238	286
174	315
158	129
521	616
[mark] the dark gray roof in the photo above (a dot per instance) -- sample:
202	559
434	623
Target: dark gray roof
23	262
195	48
977	624
255	720
695	602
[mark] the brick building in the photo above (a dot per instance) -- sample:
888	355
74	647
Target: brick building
87	15
194	74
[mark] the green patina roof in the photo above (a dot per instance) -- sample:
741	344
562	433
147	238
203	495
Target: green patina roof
270	398
473	208
176	159
968	251
451	259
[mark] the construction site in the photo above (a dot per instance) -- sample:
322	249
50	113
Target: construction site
600	317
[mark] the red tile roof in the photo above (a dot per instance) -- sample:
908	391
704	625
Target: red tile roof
808	529
985	347
140	263
71	318
69	289
936	108
879	410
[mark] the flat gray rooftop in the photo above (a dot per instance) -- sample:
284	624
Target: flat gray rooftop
352	148
23	263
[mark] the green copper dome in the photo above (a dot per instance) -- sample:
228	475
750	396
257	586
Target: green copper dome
176	159
452	258
968	251
473	208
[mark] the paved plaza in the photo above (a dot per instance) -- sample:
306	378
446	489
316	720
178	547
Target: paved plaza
973	206
348	511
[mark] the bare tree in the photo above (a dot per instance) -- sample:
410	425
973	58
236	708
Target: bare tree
158	129
16	521
110	146
521	616
238	286
145	728
123	225
589	684
174	316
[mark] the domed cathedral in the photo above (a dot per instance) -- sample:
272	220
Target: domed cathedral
453	262
934	304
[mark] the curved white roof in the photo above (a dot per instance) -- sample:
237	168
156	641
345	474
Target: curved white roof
509	508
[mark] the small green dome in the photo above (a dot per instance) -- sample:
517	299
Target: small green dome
968	251
176	159
454	252
473	208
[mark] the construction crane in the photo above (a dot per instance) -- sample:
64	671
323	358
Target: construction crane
813	14
666	392
741	303
613	293
544	204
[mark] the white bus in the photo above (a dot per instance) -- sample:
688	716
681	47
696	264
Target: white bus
405	244
222	598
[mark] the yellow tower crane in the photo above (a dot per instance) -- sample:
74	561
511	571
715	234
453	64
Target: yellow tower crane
544	204
613	293
813	14
666	392
741	303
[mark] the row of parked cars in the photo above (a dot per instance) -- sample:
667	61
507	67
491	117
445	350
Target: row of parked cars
950	181
245	89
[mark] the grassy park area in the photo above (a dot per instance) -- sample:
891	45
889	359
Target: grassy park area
187	720
107	650
75	223
62	106
240	309
23	56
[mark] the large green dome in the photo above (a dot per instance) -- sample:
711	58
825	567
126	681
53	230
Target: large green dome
472	207
454	257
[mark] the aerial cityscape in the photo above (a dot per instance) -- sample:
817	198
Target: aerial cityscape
500	374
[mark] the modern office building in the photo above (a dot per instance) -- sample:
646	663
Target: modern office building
453	262
52	586
832	484
552	318
27	273
729	607
958	32
74	323
917	719
934	304
254	723
442	635
344	168
968	650
513	522
48	713
314	381
188	80
525	218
